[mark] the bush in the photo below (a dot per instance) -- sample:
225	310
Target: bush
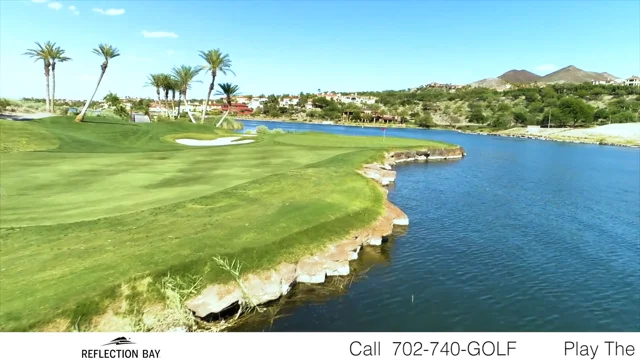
262	130
231	124
277	131
625	117
477	116
425	120
4	104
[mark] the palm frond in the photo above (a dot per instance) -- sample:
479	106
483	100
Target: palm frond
107	51
42	52
216	61
228	90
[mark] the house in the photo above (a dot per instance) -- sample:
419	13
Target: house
289	100
246	100
329	96
632	81
355	99
257	102
236	109
156	108
608	81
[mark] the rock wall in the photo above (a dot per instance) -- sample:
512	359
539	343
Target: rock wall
269	285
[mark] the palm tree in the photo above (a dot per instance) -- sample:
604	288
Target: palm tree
173	87
166	84
216	62
155	80
57	56
108	52
229	91
184	76
43	53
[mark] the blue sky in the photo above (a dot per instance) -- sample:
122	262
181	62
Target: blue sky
292	46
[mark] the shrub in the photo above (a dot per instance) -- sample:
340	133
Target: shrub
277	131
425	120
262	130
231	124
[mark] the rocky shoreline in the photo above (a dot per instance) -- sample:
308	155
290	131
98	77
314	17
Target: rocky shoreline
269	285
547	138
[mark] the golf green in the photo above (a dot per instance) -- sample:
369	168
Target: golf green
84	208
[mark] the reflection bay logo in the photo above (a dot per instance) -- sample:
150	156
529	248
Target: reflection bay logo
114	350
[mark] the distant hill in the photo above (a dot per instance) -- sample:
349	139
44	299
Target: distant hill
604	75
569	74
572	74
519	77
493	83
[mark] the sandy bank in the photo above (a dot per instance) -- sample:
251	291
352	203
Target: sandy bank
613	134
217	142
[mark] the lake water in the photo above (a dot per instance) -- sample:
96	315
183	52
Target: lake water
520	235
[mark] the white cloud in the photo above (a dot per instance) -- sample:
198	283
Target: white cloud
546	68
55	5
111	12
74	10
159	34
171	52
39	1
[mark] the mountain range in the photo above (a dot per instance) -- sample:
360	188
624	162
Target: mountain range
569	74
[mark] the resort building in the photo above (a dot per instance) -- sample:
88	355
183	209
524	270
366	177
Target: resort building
257	102
158	109
235	108
349	98
289	100
633	81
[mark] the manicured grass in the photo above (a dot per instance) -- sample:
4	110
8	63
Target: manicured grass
116	201
330	140
23	136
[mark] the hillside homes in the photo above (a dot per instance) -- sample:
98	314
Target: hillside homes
349	98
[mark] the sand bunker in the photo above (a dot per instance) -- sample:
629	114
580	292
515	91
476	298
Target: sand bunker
217	142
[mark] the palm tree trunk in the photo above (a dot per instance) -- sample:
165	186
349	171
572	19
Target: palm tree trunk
46	75
206	104
222	119
53	89
159	98
173	99
166	101
80	116
179	98
186	104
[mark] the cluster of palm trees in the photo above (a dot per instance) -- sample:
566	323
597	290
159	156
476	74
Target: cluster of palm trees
179	80
50	54
183	76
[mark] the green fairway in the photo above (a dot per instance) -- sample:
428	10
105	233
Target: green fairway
87	207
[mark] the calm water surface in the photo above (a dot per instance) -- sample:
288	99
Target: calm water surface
521	235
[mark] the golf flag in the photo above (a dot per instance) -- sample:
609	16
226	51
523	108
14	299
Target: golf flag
384	133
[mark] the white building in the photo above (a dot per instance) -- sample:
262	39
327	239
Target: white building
243	100
632	81
256	102
288	100
349	98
